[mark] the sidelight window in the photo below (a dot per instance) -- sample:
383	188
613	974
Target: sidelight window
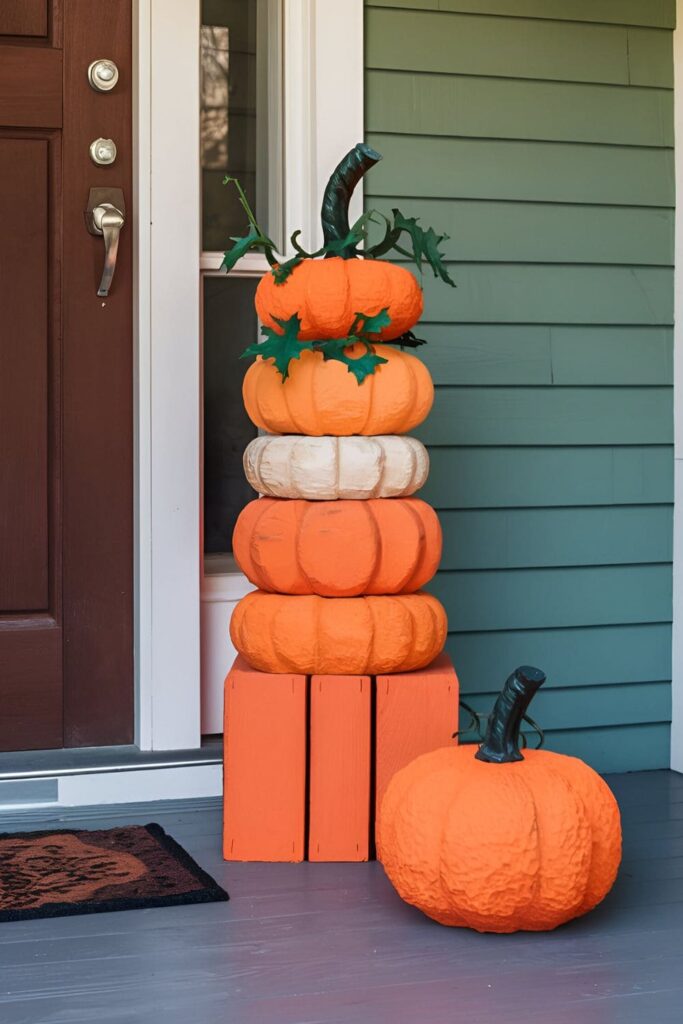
240	136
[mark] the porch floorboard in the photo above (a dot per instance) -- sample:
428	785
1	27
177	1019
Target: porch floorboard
332	943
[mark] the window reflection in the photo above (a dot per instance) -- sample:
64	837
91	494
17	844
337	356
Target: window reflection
229	326
239	76
215	66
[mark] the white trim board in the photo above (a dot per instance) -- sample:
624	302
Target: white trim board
323	110
323	117
139	786
141	363
135	784
167	244
677	632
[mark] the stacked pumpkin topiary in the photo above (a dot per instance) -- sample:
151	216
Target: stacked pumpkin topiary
490	839
339	549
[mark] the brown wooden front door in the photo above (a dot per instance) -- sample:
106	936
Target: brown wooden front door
66	404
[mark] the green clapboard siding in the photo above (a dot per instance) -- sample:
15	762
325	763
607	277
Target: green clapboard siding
518	538
514	48
548	598
538	134
547	293
558	415
534	354
548	232
653	13
503	108
620	355
617	748
555	172
585	657
481	477
594	706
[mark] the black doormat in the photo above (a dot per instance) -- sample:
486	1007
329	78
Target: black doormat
68	871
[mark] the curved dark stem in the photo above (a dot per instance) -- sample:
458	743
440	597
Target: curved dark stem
501	743
474	725
335	209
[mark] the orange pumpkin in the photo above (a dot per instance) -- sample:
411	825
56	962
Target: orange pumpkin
338	548
322	397
496	841
338	635
327	294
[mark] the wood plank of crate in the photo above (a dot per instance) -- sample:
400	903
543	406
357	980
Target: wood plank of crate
340	760
416	712
264	803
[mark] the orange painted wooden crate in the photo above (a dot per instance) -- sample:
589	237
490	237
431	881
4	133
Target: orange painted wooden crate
307	759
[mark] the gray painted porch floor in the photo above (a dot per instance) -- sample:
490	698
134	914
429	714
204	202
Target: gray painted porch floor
331	943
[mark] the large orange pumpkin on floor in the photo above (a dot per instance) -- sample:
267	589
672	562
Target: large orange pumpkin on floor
322	397
327	294
338	636
495	840
338	548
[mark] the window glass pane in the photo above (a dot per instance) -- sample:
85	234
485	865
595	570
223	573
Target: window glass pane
229	326
239	120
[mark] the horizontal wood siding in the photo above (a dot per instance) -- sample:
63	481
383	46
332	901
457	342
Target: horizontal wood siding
539	135
503	108
478	477
651	13
549	232
491	354
554	172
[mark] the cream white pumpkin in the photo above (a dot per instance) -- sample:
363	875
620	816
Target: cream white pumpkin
326	468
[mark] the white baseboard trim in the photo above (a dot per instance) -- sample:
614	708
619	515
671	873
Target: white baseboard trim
135	786
122	787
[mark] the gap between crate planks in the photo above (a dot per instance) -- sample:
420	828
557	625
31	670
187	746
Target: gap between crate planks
307	759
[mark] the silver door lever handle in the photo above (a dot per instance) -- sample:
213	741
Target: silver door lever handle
107	220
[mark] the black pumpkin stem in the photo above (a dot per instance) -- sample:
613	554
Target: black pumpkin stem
343	180
501	743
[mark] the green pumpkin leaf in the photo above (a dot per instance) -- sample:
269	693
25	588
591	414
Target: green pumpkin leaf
241	246
281	348
425	245
339	246
281	271
388	242
255	239
359	232
360	366
331	348
284	345
364	324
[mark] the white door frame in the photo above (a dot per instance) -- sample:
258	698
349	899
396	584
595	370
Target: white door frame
323	117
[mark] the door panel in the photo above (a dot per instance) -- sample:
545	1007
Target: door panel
31	687
30	86
23	375
24	17
66	450
31	690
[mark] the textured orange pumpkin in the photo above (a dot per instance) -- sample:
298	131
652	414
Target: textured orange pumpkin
338	548
322	397
338	635
497	841
327	294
